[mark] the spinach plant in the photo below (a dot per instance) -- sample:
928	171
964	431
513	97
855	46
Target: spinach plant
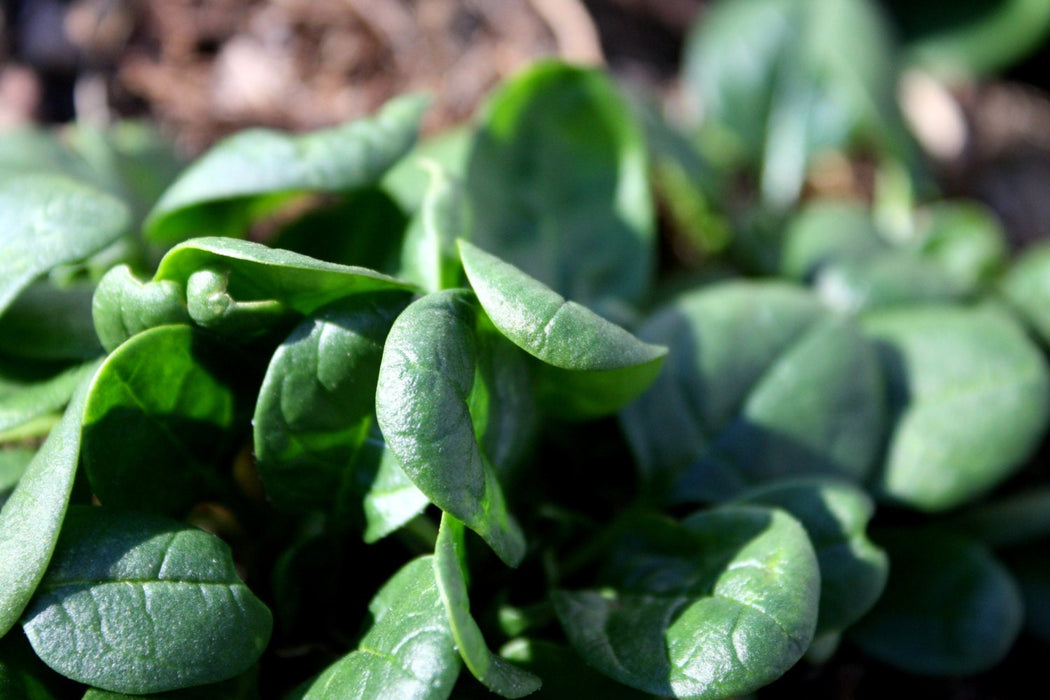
347	414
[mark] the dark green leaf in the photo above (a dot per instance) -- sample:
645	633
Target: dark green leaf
140	604
1020	519
1030	567
782	80
423	405
594	366
409	650
25	395
49	220
971	398
252	173
498	675
756	387
1027	288
32	517
23	676
49	322
564	673
316	441
241	688
161	418
718	606
949	608
559	186
853	569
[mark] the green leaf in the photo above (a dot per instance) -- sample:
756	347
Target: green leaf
965	239
409	179
407	652
564	673
32	517
51	322
754	389
426	380
1027	289
893	278
240	688
824	232
123	305
970	395
853	569
28	392
495	673
558	183
949	608
719	605
139	604
50	220
592	367
782	80
23	676
162	417
13	463
250	174
316	442
429	256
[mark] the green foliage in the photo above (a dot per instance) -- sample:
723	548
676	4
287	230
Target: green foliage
362	412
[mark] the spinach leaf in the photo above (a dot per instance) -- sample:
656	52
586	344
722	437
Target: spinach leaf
32	516
964	239
591	366
494	672
781	80
853	569
682	601
1026	288
316	441
252	173
753	389
970	395
23	676
25	394
423	405
429	257
123	305
13	463
135	603
50	220
50	322
408	651
162	415
949	608
564	673
557	179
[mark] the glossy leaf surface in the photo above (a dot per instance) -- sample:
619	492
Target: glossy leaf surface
140	604
557	179
251	173
408	651
716	606
161	417
835	514
754	388
32	517
595	367
426	379
971	398
49	220
949	608
494	672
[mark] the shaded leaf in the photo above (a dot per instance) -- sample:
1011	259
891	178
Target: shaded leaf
1026	287
50	322
558	184
250	174
30	392
949	608
13	463
140	604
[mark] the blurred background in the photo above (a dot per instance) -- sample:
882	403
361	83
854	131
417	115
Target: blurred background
972	81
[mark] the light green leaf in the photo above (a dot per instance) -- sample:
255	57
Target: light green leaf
408	180
408	652
853	569
558	182
47	221
139	604
754	388
970	394
497	674
949	608
715	607
161	418
429	256
1026	287
826	231
252	173
593	367
316	441
423	405
123	305
965	239
31	518
30	391
892	278
13	463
